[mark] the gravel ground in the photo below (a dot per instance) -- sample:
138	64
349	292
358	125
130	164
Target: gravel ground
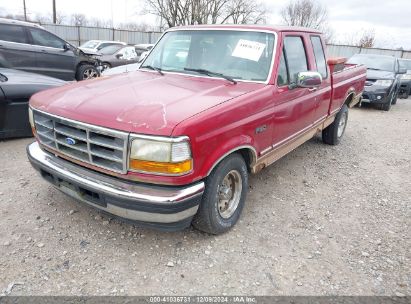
321	221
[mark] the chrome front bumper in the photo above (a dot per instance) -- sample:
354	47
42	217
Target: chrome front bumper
167	207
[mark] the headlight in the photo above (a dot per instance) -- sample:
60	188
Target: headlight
383	82
161	155
31	120
406	77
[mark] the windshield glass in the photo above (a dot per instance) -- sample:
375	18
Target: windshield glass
242	55
110	50
90	44
406	64
374	62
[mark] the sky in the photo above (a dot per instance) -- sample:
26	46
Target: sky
389	19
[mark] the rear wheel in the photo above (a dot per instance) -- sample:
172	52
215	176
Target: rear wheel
86	71
333	133
106	66
224	196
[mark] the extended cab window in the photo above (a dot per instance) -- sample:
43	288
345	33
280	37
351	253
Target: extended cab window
296	57
319	56
12	33
44	38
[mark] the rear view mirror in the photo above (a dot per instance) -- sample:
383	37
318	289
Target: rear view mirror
118	56
402	71
66	46
308	79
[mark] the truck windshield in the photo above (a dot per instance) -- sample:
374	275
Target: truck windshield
240	55
374	62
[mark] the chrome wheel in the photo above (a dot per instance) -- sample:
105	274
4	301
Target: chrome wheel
341	124
229	194
90	73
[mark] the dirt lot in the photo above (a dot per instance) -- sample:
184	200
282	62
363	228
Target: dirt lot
322	220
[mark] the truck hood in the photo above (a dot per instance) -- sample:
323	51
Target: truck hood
139	102
377	74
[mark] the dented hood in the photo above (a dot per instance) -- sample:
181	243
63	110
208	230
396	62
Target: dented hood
139	102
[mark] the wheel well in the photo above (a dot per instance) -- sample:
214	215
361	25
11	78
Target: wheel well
83	63
248	153
349	98
248	156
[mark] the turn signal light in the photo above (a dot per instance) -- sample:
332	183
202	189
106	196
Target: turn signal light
160	167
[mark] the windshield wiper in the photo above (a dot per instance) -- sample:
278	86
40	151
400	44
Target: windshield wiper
153	68
375	69
210	73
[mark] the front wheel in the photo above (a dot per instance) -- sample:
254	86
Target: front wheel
86	71
333	133
395	97
224	196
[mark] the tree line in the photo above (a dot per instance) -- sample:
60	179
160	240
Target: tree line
170	13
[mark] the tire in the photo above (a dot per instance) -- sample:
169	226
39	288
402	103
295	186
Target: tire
333	133
106	66
387	106
216	213
394	101
86	69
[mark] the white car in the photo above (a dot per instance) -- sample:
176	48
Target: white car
122	69
94	46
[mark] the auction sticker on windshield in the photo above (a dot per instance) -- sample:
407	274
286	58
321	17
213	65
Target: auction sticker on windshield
247	49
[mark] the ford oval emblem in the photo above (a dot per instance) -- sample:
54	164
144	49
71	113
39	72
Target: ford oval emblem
70	141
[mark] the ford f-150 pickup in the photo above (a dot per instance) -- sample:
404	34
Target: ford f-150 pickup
173	143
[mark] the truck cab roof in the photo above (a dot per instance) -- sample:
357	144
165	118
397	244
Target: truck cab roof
251	27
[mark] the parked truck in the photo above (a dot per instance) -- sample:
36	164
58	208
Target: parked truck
173	143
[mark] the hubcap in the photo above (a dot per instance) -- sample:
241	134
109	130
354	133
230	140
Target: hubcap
229	194
341	124
89	73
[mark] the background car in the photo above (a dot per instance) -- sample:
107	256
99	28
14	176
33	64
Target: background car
143	48
116	55
122	69
16	88
29	47
383	79
94	46
405	84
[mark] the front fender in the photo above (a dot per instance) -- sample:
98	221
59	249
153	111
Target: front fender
244	143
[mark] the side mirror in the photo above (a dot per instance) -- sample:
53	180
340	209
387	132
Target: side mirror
402	71
66	47
309	79
118	56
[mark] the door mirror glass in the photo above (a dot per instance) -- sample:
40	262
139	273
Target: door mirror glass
402	71
308	79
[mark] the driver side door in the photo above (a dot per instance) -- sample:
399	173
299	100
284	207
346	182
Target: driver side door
52	57
294	107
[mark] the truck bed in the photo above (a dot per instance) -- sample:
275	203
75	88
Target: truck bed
346	80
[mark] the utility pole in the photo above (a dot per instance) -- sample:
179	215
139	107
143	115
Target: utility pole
54	12
25	11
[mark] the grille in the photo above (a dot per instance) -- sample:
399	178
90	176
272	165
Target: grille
98	146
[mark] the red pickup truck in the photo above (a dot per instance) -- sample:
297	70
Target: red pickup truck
172	143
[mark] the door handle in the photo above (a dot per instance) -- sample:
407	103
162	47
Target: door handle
312	89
